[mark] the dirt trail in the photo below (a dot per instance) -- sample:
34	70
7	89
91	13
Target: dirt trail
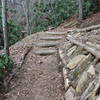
40	81
40	77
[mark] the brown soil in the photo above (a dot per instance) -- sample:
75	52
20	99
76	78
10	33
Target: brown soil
39	78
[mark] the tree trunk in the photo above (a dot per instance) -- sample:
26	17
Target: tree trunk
26	11
4	25
80	2
90	49
14	7
96	5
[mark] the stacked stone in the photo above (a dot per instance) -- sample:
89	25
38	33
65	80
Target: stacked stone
81	72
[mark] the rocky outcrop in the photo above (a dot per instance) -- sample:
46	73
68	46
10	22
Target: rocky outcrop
81	69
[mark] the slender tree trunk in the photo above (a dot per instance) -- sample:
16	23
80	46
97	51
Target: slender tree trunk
26	11
80	3
14	7
96	5
4	25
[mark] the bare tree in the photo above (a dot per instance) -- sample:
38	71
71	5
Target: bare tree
80	3
26	11
4	25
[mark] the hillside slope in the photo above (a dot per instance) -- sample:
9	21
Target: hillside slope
48	71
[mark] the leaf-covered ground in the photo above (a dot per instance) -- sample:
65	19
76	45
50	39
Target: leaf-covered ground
39	77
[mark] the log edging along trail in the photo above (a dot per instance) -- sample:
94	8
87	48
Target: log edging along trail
86	47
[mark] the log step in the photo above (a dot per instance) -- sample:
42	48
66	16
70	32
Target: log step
45	51
47	44
51	38
56	33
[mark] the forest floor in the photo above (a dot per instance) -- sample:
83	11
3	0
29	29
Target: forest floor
40	77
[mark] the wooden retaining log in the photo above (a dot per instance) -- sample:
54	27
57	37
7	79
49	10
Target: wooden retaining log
86	47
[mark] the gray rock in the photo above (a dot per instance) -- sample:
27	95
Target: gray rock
66	80
83	65
94	91
63	57
81	82
97	98
91	70
67	45
91	90
97	68
71	50
70	94
75	61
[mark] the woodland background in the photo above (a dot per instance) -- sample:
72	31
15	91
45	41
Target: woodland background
28	16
